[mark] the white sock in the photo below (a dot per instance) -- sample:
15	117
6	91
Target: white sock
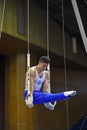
70	93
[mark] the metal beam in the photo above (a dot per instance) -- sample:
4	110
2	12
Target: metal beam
79	22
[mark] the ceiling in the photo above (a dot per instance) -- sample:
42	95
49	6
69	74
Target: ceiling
70	23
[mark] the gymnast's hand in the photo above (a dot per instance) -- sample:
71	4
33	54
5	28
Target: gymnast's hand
50	106
29	101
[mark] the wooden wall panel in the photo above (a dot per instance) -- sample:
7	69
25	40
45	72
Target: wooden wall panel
2	89
17	115
10	20
1	9
11	93
25	115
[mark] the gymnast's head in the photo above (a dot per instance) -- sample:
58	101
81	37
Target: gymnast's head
44	59
43	62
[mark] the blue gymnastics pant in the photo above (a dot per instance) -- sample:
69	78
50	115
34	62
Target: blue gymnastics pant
41	97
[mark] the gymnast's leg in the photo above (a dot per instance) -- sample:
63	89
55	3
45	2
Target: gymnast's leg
41	97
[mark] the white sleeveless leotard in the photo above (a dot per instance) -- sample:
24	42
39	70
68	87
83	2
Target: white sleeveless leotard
39	81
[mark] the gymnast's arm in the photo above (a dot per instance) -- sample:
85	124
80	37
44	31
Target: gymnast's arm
29	101
32	76
46	85
47	89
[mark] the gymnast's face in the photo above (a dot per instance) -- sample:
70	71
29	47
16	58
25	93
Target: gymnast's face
43	66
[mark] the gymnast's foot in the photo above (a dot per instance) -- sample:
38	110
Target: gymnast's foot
69	94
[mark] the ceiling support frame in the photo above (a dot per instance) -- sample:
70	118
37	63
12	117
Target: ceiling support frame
79	22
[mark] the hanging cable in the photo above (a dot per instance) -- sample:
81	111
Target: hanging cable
48	33
65	76
2	17
48	28
28	22
48	68
28	51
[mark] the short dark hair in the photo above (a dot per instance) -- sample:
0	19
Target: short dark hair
44	59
